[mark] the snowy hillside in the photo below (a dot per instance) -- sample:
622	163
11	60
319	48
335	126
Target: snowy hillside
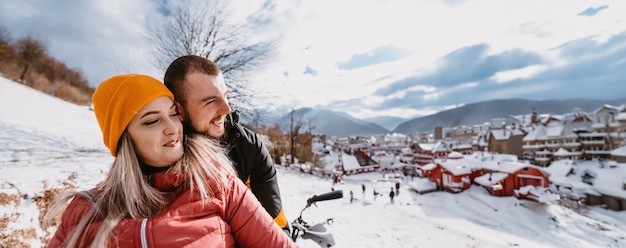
45	142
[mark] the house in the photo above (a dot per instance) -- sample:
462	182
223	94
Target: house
350	164
425	153
559	137
456	172
506	177
465	149
499	174
425	170
610	120
608	184
592	182
505	140
594	145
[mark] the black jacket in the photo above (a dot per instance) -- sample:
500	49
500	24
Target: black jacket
255	167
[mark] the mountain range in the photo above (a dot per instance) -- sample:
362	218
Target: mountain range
340	124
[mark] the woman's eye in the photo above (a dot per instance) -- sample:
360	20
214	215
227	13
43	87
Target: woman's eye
148	123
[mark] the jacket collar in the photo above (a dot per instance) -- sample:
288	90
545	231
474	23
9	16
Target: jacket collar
167	181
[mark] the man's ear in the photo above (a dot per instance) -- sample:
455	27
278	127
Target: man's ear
181	113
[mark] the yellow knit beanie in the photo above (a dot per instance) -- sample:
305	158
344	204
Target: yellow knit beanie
119	98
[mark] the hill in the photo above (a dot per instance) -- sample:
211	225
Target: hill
341	124
480	112
388	122
332	123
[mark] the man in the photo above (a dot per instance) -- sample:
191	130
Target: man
201	95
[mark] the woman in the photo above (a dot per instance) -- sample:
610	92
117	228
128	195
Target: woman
163	189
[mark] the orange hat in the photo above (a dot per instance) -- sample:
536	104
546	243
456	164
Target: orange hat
119	98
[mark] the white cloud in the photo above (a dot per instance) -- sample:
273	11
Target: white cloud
526	72
106	38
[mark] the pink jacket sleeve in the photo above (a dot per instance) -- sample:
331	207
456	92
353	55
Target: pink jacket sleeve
250	224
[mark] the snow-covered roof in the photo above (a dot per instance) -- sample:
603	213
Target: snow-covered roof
455	155
459	166
560	168
565	153
428	166
534	134
606	107
619	152
610	181
505	134
491	178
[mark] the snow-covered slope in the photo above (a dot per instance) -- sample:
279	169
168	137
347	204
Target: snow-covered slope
45	141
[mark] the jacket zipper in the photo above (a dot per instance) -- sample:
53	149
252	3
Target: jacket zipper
144	240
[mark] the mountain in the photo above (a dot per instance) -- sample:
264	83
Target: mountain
340	124
331	123
388	122
481	112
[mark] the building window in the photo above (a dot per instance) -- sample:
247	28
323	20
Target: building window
612	117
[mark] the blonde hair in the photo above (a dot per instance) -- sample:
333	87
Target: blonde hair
126	193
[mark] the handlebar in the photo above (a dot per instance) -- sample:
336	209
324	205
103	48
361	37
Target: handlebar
325	197
317	232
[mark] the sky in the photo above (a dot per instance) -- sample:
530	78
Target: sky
368	58
46	142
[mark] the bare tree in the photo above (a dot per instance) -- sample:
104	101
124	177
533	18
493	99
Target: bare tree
279	142
300	127
29	50
6	50
207	30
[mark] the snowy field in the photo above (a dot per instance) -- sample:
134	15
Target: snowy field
46	142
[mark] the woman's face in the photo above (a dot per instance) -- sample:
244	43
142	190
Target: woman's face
157	133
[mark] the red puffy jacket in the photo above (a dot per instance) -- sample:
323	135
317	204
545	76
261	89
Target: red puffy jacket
233	218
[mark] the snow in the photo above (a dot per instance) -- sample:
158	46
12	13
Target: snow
46	142
619	152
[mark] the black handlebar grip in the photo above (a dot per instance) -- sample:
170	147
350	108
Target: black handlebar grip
326	196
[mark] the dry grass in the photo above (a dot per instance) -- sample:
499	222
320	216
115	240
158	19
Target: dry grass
12	238
17	237
61	89
6	199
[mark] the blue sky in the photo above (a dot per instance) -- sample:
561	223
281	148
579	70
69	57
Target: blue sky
403	58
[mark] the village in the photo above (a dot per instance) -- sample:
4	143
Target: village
575	159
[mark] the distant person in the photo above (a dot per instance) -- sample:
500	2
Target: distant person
201	95
397	188
164	188
351	196
391	195
363	188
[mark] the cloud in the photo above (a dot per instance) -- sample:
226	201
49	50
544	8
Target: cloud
381	55
310	71
591	11
378	55
594	70
585	68
99	39
468	64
